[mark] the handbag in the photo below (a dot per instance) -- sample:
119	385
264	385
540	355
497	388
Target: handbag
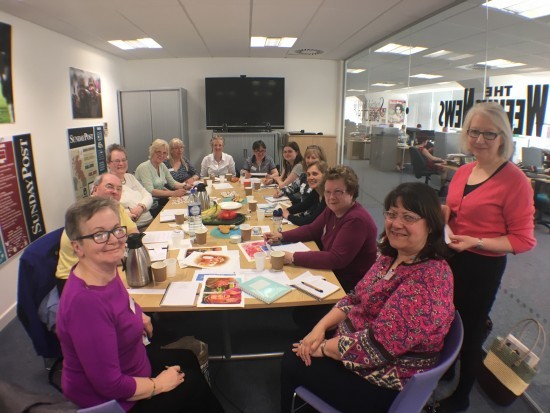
510	364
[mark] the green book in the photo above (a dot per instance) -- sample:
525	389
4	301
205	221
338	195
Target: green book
264	289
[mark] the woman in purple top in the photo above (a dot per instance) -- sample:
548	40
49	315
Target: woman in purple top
345	232
393	325
102	330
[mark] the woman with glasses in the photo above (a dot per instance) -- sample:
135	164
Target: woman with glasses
392	325
298	190
103	331
314	204
292	166
156	179
490	213
178	165
135	198
344	231
259	163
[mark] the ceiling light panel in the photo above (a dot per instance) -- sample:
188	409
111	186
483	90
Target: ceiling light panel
400	49
426	76
531	9
355	71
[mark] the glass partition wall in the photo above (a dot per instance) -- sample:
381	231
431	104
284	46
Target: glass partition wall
420	83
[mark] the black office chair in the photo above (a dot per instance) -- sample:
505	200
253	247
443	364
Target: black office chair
419	164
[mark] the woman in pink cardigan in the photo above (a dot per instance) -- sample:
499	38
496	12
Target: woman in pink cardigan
490	212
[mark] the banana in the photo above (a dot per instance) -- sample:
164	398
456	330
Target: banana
211	212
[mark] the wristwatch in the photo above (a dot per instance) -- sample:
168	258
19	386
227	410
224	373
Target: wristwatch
479	245
323	344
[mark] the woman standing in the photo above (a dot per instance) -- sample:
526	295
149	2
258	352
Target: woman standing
292	165
218	162
345	231
135	197
392	325
179	166
155	178
314	203
490	212
102	329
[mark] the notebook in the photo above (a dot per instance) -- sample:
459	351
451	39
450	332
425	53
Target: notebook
313	285
264	289
180	293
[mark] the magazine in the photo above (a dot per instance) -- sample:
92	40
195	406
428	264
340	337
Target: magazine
220	291
215	260
186	252
252	247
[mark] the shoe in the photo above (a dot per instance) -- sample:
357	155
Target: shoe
452	405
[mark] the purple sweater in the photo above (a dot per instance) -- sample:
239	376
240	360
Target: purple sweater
101	339
349	243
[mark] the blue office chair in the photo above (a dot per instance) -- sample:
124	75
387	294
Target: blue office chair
108	407
418	389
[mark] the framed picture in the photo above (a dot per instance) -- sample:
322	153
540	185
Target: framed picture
85	94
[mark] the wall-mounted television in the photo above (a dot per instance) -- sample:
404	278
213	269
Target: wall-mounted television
240	103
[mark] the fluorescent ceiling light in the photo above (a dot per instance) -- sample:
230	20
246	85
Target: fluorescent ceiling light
426	76
259	41
356	90
531	9
438	53
501	63
400	49
459	57
355	71
145	43
384	84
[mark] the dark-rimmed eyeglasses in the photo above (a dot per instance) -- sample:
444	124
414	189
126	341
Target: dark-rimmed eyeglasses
101	237
490	136
337	193
405	218
119	160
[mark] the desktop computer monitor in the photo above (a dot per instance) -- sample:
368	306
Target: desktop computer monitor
531	157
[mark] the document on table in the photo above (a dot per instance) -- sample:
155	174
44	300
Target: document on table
152	237
180	293
224	185
272	199
168	215
313	285
157	252
295	247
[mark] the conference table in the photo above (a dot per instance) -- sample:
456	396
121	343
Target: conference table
151	302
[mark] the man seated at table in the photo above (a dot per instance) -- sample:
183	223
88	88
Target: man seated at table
259	163
108	186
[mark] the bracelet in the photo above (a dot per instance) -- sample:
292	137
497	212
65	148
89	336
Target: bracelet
143	207
479	245
154	387
323	344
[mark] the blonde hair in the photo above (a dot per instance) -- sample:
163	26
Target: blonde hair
156	145
174	142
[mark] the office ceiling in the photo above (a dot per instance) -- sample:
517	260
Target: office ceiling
222	28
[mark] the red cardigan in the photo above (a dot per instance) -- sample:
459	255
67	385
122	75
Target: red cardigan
502	205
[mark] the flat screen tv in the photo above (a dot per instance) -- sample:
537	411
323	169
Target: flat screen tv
234	103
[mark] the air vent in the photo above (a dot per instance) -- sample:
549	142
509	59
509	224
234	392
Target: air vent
309	52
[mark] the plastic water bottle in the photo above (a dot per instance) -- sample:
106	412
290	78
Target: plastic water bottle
194	219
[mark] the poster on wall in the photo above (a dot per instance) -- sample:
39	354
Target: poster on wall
6	91
87	154
85	94
21	219
396	111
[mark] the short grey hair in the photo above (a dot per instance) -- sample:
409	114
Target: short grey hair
84	209
114	147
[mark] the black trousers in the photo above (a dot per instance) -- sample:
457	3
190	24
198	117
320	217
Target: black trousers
334	383
193	395
476	282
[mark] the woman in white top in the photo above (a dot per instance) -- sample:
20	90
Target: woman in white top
217	163
135	197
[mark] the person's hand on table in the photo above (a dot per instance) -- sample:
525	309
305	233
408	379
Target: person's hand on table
278	193
147	325
273	237
462	242
309	345
289	257
179	192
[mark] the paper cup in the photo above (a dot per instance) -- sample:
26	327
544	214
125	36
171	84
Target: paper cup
260	214
171	266
248	190
246	232
277	260
228	176
259	258
252	205
180	218
159	271
176	239
200	236
235	239
257	185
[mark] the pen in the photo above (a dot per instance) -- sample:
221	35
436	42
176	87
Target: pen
313	287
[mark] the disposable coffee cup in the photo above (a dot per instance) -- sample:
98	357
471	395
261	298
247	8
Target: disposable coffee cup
248	190
200	236
260	214
257	185
159	271
277	260
180	218
252	205
171	266
259	259
246	232
228	176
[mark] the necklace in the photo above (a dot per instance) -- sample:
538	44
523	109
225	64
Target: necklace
393	267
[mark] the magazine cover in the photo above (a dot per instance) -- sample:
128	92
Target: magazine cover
220	292
215	260
250	248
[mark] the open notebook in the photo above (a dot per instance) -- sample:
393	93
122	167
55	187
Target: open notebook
313	285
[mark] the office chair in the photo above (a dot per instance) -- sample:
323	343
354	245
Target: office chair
419	164
418	389
108	407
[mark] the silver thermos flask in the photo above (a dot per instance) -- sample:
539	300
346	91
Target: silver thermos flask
137	263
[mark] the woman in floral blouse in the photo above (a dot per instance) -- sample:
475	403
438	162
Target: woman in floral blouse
392	325
179	166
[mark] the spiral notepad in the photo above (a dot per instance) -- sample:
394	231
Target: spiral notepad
264	289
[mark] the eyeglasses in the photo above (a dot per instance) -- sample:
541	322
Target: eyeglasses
405	218
112	187
101	237
119	160
489	136
260	151
337	193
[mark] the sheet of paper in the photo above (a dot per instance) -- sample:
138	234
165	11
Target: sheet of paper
296	247
152	291
157	253
214	260
272	199
224	185
200	274
314	285
185	252
447	231
168	215
180	293
156	236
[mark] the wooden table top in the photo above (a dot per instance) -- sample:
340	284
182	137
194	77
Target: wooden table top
151	302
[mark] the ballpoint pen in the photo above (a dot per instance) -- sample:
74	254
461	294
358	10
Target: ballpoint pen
312	287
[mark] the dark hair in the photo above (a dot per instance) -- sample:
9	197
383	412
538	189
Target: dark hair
399	105
84	209
258	145
423	201
114	147
287	167
348	175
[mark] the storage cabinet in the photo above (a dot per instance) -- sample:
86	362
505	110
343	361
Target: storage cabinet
383	152
358	149
146	115
239	145
326	142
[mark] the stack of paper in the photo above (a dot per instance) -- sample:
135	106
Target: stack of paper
294	247
181	294
313	285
